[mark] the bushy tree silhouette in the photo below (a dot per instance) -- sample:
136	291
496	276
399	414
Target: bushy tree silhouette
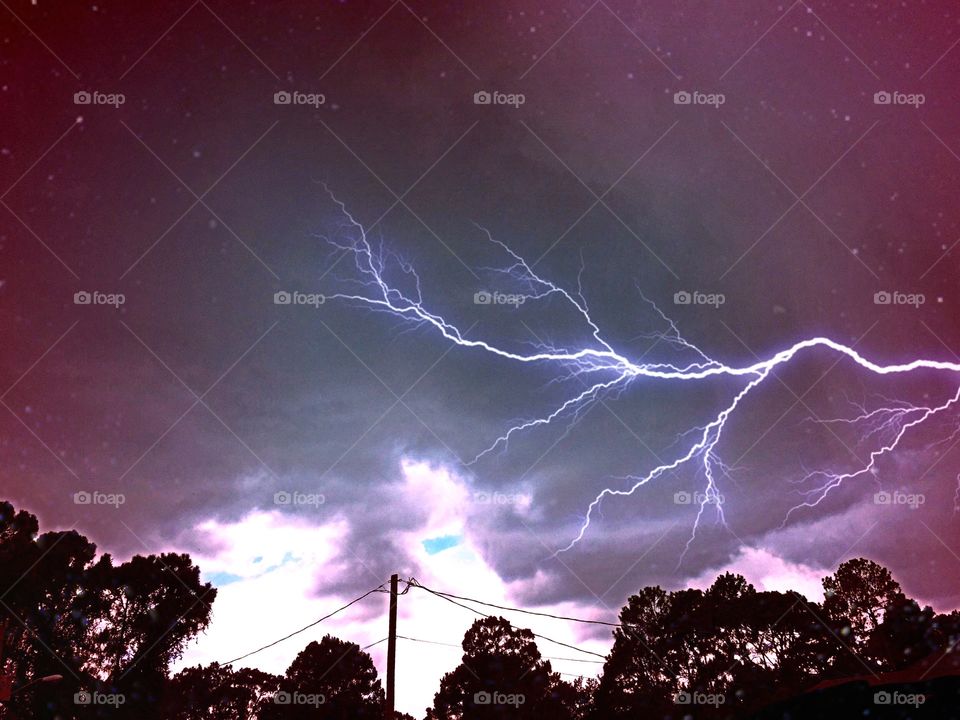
728	645
753	648
110	630
502	675
329	680
217	692
856	598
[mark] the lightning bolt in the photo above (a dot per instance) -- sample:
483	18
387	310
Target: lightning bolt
604	370
896	422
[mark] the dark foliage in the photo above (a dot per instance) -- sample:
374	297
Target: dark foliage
114	630
110	630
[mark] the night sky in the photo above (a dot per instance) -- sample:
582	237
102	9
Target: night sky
199	197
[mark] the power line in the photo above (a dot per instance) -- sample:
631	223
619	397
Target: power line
414	583
367	647
454	645
451	598
306	627
383	588
567	645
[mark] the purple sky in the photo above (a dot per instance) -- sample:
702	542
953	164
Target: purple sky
198	198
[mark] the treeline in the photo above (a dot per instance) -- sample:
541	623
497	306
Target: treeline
112	631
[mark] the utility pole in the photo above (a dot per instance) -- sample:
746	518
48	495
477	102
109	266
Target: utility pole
392	650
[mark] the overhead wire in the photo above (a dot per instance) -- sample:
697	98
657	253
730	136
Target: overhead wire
415	583
454	599
455	645
305	627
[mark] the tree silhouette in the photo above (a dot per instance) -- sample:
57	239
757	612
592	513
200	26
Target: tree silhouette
108	629
730	640
728	651
576	696
217	692
502	675
329	680
754	648
155	605
855	600
636	680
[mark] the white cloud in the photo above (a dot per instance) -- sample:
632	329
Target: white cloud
272	566
766	571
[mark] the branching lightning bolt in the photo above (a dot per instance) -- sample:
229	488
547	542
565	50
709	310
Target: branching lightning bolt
603	370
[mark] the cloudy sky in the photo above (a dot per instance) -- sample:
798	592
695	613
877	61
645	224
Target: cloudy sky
179	183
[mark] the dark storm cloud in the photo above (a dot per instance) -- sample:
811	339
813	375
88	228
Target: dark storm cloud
306	399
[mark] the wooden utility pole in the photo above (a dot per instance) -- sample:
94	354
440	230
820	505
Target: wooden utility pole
392	650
